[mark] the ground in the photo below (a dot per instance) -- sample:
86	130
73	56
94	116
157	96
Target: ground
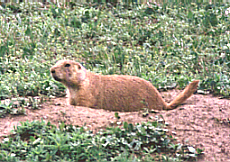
202	121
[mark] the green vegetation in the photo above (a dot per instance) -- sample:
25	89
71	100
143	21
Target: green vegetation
41	141
165	45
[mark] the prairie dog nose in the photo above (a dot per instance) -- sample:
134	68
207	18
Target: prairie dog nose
52	71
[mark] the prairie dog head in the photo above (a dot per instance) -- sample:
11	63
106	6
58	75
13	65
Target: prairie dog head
68	72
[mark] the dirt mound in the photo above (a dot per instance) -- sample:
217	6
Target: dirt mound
203	121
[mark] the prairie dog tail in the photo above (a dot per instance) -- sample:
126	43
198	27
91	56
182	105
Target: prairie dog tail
187	92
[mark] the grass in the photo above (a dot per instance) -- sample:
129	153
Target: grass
166	45
41	141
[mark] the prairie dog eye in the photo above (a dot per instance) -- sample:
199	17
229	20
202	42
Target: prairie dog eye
67	65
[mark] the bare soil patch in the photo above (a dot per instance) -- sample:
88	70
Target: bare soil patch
203	121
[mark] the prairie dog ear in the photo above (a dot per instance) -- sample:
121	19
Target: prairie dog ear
81	71
78	65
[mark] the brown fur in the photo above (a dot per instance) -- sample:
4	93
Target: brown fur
112	92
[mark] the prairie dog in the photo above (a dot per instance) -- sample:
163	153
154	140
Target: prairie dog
112	92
